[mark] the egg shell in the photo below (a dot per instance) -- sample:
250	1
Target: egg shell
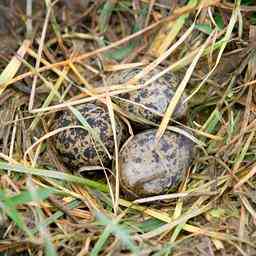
149	102
76	146
150	168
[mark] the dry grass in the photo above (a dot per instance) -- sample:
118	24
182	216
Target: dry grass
70	50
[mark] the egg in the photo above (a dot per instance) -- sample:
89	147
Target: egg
150	168
149	102
77	146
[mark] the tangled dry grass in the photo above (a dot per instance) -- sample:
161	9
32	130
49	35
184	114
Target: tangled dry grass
57	54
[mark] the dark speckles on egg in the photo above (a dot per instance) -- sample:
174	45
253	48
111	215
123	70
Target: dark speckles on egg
156	95
66	145
168	93
155	156
173	154
137	160
89	153
147	168
76	146
76	151
142	141
165	146
72	132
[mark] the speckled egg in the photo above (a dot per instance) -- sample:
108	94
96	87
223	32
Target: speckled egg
151	101
78	147
147	168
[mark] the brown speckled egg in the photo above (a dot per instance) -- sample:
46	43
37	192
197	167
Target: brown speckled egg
76	146
147	168
151	101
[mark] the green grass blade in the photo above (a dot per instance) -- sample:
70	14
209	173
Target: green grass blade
106	14
53	174
119	232
47	221
8	208
26	197
101	241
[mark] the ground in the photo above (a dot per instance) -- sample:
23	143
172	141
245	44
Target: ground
57	54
